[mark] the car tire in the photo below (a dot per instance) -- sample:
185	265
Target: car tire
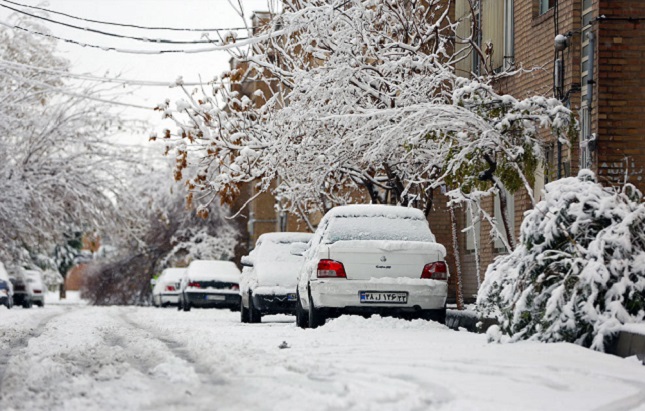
186	306
255	316
42	304
302	317
180	304
26	304
316	316
244	313
435	315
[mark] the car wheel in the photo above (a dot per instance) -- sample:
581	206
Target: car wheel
435	315
186	306
42	304
316	316
26	304
244	313
180	304
254	314
302	317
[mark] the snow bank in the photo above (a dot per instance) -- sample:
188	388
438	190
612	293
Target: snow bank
376	322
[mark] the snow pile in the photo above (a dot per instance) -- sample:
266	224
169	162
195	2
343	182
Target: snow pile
578	273
376	322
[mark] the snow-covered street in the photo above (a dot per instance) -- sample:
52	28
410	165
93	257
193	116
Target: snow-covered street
76	357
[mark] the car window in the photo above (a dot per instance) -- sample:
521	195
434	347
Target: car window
342	228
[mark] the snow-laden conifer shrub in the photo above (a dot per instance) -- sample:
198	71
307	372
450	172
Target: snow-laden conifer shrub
578	272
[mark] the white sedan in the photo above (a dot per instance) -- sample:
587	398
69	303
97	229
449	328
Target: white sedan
166	288
372	259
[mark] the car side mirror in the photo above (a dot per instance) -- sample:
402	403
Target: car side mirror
298	249
246	261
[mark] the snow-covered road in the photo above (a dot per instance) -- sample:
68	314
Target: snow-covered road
133	358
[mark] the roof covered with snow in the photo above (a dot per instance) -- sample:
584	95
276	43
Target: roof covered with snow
213	269
375	210
285	237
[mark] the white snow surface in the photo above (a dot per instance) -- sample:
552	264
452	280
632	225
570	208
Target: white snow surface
132	358
204	270
391	245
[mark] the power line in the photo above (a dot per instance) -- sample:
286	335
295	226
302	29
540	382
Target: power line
106	33
124	24
245	42
72	94
130	82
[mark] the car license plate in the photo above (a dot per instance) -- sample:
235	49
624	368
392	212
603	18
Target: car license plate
383	297
216	297
291	297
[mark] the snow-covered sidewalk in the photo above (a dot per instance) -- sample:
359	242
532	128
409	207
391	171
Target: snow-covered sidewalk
131	358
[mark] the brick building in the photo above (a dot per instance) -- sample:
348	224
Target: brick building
598	70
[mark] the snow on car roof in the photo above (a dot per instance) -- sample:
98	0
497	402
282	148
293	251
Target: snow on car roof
213	269
173	273
375	210
285	237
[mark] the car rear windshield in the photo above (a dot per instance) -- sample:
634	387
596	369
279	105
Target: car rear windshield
214	284
378	228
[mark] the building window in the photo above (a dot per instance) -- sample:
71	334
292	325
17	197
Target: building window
546	5
473	234
493	22
499	222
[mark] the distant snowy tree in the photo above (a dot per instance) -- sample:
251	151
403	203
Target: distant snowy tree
158	232
360	96
578	273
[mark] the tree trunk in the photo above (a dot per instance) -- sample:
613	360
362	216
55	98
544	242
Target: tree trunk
455	250
503	206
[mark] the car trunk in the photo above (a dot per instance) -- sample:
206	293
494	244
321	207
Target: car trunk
368	259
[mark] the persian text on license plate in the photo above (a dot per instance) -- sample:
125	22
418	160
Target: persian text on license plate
381	297
216	297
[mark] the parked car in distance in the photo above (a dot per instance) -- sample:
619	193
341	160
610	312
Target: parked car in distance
372	259
270	275
165	289
28	288
37	286
6	288
210	284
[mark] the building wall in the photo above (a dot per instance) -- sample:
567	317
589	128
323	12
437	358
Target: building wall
620	92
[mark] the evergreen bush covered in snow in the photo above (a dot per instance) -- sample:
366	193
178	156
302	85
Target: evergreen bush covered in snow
578	273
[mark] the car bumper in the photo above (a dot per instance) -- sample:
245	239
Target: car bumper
168	299
345	294
206	300
275	303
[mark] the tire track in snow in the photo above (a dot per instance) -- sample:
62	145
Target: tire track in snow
21	340
177	349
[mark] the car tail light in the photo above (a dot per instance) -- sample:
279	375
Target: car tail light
435	271
235	287
331	269
170	288
37	291
194	284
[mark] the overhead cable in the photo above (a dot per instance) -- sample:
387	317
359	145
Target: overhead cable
106	33
72	94
130	82
246	41
124	24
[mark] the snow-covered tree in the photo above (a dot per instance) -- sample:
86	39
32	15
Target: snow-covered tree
60	167
360	96
157	232
578	273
